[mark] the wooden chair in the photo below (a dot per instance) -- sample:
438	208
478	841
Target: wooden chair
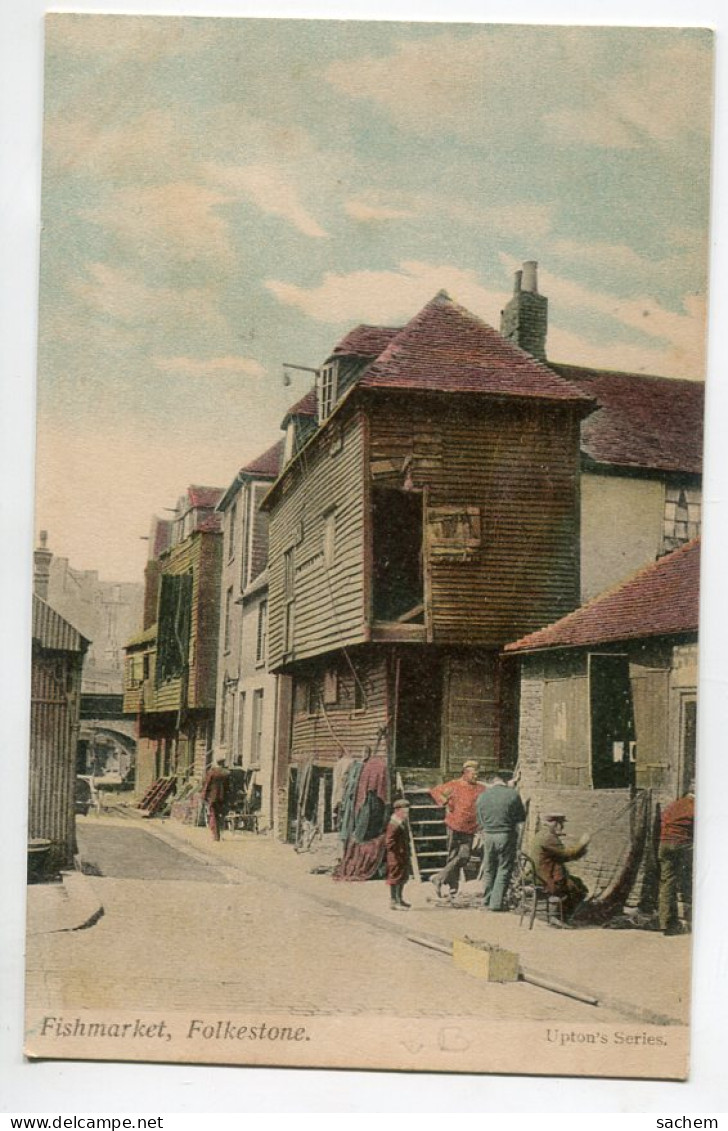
533	893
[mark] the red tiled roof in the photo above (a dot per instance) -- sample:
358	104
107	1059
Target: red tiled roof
642	421
266	465
307	406
661	600
365	341
204	496
446	348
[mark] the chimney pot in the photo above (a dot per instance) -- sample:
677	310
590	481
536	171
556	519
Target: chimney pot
530	276
517	282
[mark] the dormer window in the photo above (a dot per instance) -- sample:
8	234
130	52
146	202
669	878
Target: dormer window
289	449
327	389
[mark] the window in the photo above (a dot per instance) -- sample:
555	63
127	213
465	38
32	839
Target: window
241	724
173	627
453	532
228	614
329	547
257	735
331	687
262	634
327	389
232	528
289	594
223	711
312	697
360	695
134	670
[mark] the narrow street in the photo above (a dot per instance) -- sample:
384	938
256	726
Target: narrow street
181	934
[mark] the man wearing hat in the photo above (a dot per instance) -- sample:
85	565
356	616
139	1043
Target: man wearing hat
675	855
215	792
459	798
550	854
396	840
499	811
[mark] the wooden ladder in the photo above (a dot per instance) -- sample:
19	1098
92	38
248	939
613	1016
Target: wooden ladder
427	830
156	795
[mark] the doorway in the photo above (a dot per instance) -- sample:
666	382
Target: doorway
419	711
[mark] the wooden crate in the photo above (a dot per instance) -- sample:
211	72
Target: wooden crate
484	960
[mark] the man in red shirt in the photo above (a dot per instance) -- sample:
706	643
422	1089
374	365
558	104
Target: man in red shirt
459	799
676	860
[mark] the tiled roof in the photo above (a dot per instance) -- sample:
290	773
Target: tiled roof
307	406
642	421
52	631
365	341
446	348
268	464
204	496
661	600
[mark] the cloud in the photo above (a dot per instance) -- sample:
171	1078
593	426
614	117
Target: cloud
510	219
270	189
210	367
177	219
120	294
666	97
144	39
575	349
368	210
589	87
384	296
144	147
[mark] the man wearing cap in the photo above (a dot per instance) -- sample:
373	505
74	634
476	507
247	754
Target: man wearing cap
550	855
499	811
675	855
396	840
215	792
459	798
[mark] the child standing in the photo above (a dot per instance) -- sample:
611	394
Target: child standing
398	857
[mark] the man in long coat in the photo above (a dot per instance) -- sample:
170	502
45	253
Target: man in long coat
215	792
396	839
550	855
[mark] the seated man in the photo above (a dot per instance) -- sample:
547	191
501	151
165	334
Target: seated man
549	856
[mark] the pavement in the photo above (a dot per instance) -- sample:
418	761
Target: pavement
640	975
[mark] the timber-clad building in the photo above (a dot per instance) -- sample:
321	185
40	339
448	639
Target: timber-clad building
58	651
433	516
171	665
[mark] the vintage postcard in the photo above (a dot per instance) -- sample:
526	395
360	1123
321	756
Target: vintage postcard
365	603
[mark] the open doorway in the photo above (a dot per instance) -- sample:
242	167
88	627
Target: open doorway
398	593
419	711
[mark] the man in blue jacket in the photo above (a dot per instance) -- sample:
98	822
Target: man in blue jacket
499	811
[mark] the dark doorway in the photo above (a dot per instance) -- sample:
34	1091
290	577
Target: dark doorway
397	550
612	722
419	711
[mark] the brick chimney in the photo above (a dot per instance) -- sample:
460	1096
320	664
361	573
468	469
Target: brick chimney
42	558
524	321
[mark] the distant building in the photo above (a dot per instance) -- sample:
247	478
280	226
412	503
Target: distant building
170	670
246	691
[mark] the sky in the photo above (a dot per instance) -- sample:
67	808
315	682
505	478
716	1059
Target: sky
224	196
